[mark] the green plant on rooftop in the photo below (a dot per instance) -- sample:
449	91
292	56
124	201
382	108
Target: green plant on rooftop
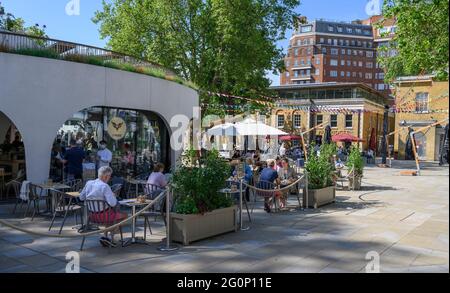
37	52
98	61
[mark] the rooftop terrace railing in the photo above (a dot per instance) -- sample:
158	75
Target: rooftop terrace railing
21	43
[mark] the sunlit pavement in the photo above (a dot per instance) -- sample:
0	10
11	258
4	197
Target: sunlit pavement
402	219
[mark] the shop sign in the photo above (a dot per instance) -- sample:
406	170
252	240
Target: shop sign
117	128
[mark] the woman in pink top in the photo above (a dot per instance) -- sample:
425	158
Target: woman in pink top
157	178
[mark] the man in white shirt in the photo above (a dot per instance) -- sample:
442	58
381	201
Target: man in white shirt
99	190
104	156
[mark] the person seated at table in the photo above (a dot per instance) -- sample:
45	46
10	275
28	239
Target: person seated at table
257	156
99	190
287	176
278	164
268	175
236	155
157	179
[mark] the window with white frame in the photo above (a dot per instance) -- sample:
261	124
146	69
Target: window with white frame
369	64
369	54
319	119
280	121
422	102
334	120
297	120
334	51
333	73
333	62
349	121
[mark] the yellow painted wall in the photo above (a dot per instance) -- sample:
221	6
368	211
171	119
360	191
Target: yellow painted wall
438	101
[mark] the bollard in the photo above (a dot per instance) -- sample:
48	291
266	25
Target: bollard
168	246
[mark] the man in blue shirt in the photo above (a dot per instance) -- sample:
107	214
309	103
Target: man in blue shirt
268	180
74	159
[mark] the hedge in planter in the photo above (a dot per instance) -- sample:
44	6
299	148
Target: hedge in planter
320	170
355	163
200	210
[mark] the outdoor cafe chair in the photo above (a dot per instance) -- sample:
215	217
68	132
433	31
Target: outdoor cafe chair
117	189
344	179
99	212
63	205
75	185
158	209
15	185
35	195
265	189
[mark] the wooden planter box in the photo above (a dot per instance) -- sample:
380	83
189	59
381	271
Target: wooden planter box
319	197
189	228
355	184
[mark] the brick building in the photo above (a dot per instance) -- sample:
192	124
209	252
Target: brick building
421	101
352	108
326	51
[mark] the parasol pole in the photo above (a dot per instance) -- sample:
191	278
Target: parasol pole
387	143
308	131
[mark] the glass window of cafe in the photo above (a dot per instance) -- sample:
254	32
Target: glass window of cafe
12	154
137	139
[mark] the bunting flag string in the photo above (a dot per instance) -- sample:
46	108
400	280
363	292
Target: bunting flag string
324	109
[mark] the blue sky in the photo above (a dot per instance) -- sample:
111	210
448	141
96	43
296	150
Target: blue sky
80	29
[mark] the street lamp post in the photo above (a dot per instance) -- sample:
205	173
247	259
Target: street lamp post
384	139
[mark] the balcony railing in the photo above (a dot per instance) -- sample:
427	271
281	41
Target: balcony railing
19	43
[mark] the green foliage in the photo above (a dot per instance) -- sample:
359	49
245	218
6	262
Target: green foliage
421	38
223	46
355	161
320	168
10	23
196	187
45	53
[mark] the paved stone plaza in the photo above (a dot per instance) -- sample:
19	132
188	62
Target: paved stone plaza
403	219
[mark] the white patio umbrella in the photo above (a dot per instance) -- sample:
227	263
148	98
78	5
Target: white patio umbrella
251	127
248	127
227	129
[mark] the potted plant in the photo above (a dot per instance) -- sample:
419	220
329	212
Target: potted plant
355	163
320	169
200	211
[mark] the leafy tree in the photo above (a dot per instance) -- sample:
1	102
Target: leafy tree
10	23
421	39
223	46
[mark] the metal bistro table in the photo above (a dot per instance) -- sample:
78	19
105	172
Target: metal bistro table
231	192
133	204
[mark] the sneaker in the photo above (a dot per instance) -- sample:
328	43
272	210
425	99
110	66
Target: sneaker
106	242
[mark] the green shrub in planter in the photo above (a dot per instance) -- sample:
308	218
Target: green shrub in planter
320	168
355	162
196	186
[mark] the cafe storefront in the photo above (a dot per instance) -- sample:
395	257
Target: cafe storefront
137	140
